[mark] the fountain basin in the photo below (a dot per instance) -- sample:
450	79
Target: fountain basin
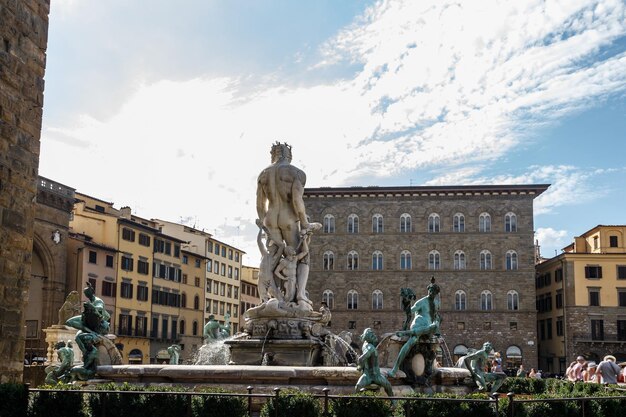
278	352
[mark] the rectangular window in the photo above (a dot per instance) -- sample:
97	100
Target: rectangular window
216	287
222	289
512	325
127	263
548	329
216	269
236	294
126	290
558	275
235	310
209	286
222	306
177	251
209	247
128	234
621	298
559	299
184	278
215	305
108	289
236	274
229	291
621	330
164	327
594	297
159	246
613	241
174	328
230	254
155	327
168	248
125	325
196	281
141	326
236	256
223	251
109	261
32	329
621	271
230	271
144	240
223	269
209	265
593	272
217	248
142	267
142	293
198	263
559	326
185	259
93	257
597	329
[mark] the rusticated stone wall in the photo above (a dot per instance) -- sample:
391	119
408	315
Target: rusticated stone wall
23	41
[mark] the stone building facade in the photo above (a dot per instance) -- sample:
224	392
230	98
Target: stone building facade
581	299
477	241
23	42
48	278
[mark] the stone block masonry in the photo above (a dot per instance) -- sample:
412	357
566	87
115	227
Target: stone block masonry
23	41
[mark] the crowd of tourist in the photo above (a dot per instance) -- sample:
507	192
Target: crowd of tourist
605	372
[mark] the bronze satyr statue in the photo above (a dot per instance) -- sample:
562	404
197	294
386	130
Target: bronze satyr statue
61	372
214	331
368	364
426	320
477	362
408	298
92	325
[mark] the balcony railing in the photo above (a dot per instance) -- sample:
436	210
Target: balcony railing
610	338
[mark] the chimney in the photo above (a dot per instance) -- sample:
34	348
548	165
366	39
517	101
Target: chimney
125	212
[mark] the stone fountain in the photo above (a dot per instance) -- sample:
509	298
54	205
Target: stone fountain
286	341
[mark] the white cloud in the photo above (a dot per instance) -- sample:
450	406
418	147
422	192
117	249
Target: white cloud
440	83
550	240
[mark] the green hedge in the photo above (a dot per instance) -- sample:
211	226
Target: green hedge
13	400
69	401
292	403
356	406
423	406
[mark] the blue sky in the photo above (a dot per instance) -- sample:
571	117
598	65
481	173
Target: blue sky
171	109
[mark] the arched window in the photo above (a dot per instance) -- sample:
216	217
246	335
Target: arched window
405	223
405	260
458	223
329	260
182	327
353	223
183	300
353	260
513	357
459	260
329	223
434	260
511	260
458	352
512	300
434	223
196	303
377	223
377	261
460	300
484	222
510	222
329	298
485	260
377	300
353	300
194	328
486	300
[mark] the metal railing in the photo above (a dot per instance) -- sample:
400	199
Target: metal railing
256	400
